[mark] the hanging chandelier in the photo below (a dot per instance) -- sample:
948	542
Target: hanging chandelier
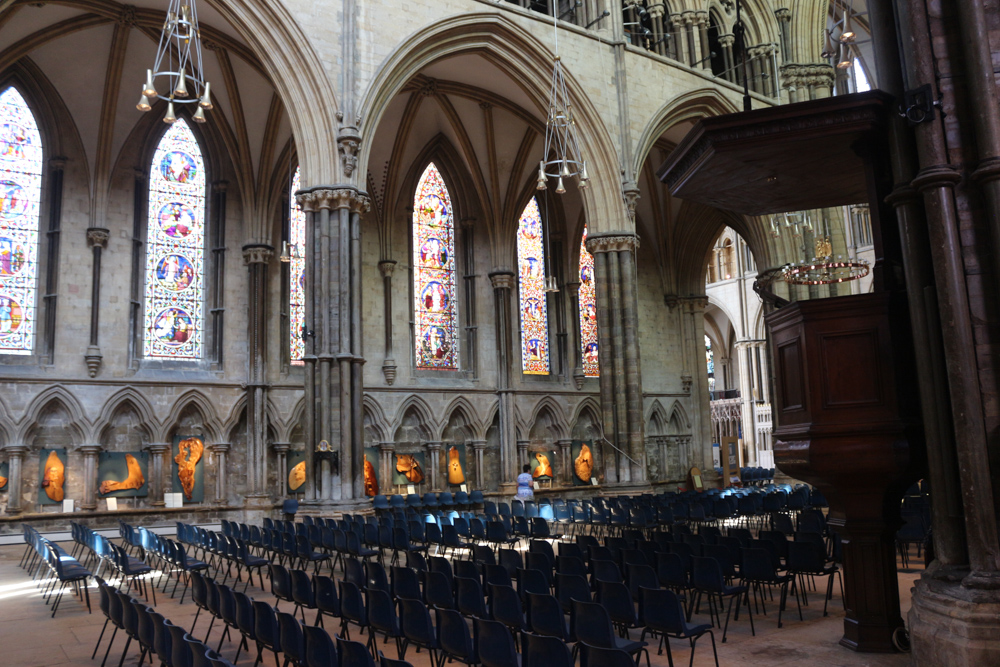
794	223
561	159
178	64
823	268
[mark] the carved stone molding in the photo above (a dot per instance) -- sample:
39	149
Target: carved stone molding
93	358
333	198
389	373
257	254
386	267
612	242
126	17
97	236
727	40
686	381
630	192
502	279
783	14
348	142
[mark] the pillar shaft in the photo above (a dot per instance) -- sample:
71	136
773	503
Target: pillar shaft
157	452
15	460
256	257
90	453
503	282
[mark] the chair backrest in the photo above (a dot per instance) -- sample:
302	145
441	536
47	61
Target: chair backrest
405	583
353	572
354	653
599	656
805	557
506	606
617	600
416	561
352	603
376	577
571	587
320	649
641	576
438	590
706	574
531	581
453	635
545	615
326	598
494	644
266	625
469	597
605	570
591	620
381	613
542	651
293	641
415	622
290	506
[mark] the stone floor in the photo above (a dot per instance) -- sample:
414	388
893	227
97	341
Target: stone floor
28	637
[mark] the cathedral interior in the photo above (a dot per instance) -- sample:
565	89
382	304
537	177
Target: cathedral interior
649	252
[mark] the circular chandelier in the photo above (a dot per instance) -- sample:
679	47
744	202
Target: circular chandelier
824	269
561	144
178	64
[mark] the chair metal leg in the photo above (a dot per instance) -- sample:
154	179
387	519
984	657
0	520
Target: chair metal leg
100	637
110	644
127	644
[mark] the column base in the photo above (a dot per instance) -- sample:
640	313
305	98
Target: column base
954	626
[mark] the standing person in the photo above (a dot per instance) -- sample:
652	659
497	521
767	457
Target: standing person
525	484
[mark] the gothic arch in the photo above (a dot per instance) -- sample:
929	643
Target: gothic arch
423	411
235	414
126	396
497	38
463	405
679	416
558	414
588	404
56	395
204	406
656	411
376	416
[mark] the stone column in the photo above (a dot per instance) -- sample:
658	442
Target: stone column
386	268
256	257
573	290
157	450
726	42
386	450
784	17
15	459
617	324
333	381
221	449
522	456
434	449
503	282
90	453
477	451
656	14
281	451
744	357
692	315
97	240
693	42
565	464
701	27
679	37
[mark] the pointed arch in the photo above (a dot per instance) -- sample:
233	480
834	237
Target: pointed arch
419	407
462	405
589	345
656	411
200	402
679	416
126	396
233	419
376	414
174	291
552	406
82	429
531	288
278	426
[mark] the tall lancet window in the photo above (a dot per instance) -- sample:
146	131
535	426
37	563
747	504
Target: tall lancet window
588	311
20	198
435	312
296	274
175	248
531	287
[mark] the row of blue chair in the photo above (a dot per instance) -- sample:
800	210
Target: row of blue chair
41	556
461	499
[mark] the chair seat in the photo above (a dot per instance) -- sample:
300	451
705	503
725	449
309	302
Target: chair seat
70	571
254	561
733	590
628	645
193	564
694	630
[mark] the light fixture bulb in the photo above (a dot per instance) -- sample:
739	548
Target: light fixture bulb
199	115
542	178
143	104
149	90
170	118
846	57
285	257
181	89
560	188
847	33
584	176
206	97
564	170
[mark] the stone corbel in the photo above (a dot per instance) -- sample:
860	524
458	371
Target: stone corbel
630	191
257	253
386	267
348	142
612	242
686	381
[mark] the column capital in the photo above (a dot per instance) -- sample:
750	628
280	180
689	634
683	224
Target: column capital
257	253
97	236
90	450
281	447
688	17
387	446
573	288
336	197
502	279
58	163
432	446
387	267
16	450
783	14
478	444
612	242
220	447
157	447
565	442
727	40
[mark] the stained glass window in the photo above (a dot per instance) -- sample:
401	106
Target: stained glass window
297	274
20	198
531	286
434	307
710	363
588	311
175	248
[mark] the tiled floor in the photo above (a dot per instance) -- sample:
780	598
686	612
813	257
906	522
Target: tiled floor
28	637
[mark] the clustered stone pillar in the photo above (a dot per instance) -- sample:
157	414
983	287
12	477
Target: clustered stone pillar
477	451
256	257
503	282
386	267
90	453
157	450
281	450
97	239
573	289
522	455
386	450
221	450
808	82
618	324
693	381
434	449
333	361
566	466
15	459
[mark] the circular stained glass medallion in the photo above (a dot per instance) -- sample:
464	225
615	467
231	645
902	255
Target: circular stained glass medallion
175	272
173	326
178	167
11	315
13	141
11	256
13	200
176	220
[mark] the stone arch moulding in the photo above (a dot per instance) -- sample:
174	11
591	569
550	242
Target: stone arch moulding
558	417
378	421
423	412
463	405
204	406
656	409
126	396
588	404
733	322
527	62
280	427
682	417
226	428
82	428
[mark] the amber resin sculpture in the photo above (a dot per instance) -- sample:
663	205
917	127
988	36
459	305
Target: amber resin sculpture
544	468
583	466
297	476
134	480
55	475
410	467
189	451
371	482
455	473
